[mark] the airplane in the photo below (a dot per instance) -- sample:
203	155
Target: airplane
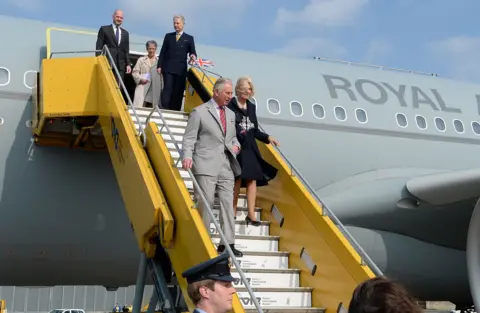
391	152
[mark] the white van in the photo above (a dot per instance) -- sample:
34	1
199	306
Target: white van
67	311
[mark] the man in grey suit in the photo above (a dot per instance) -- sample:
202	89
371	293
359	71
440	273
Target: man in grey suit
210	149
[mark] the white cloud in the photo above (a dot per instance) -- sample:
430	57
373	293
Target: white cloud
459	55
321	13
200	15
312	47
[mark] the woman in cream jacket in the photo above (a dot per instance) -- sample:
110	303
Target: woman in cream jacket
149	82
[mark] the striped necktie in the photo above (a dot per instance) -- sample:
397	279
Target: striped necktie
223	119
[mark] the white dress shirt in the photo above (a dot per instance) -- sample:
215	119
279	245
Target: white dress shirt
217	107
119	32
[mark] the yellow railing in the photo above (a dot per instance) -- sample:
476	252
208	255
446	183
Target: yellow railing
331	261
188	222
49	36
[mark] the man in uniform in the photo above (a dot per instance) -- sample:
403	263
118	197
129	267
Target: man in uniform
210	285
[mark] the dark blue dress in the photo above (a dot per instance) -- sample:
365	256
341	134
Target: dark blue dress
250	159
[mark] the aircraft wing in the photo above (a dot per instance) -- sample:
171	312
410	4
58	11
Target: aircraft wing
447	187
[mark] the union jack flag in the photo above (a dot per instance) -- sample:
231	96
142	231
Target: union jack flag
205	62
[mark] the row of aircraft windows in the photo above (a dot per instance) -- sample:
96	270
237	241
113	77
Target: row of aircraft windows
439	123
28	78
296	109
318	110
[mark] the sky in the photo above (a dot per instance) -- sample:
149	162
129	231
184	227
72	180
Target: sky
434	36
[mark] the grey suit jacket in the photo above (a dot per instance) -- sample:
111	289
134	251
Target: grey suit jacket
206	143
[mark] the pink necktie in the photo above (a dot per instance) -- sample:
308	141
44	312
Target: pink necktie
223	119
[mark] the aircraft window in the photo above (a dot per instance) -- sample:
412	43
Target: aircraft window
340	114
361	116
296	108
458	125
4	76
402	120
421	122
1	121
476	127
318	110
29	80
273	106
440	124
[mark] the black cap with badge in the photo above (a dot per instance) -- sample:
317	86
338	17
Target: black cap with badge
217	268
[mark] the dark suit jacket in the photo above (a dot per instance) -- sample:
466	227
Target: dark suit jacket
173	55
120	53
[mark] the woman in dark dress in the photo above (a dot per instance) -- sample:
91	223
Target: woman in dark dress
255	170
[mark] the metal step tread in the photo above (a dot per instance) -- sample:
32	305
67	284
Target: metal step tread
265	253
175	121
251	237
157	120
243	222
240	196
273	289
269	270
172	122
146	111
286	309
240	208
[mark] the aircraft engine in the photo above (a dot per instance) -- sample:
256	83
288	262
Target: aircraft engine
473	254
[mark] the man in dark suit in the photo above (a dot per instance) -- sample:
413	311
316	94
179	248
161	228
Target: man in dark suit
117	40
172	64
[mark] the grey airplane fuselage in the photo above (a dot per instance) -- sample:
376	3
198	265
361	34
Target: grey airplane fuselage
357	134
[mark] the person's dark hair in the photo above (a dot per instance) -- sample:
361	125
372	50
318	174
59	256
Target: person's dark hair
381	295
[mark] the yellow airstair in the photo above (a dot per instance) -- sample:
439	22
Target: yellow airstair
300	259
3	306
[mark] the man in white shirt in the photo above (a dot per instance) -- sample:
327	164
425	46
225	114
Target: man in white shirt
117	40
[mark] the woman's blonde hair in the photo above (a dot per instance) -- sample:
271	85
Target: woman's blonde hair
241	81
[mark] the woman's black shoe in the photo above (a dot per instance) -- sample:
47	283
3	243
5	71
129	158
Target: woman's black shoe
254	223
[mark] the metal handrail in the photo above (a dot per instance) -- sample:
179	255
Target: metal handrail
130	103
207	207
365	258
73	52
106	52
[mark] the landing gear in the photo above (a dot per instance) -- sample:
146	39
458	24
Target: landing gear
167	294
